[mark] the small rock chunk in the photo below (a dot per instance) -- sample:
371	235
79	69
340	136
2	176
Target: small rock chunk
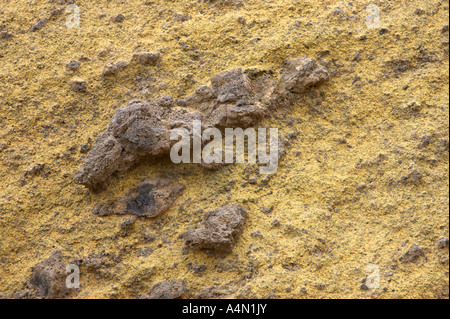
150	199
413	254
38	25
146	58
78	85
118	18
173	289
219	230
72	65
49	277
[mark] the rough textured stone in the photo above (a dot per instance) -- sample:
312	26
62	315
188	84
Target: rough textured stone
146	58
173	289
150	199
219	230
443	243
49	277
297	76
141	130
78	85
413	254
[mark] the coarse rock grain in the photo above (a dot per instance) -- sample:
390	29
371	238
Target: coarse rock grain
150	199
173	289
141	130
49	277
219	230
413	254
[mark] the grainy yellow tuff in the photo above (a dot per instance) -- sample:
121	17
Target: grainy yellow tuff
344	196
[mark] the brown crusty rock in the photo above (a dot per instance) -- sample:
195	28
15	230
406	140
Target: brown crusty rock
443	243
297	76
146	58
173	289
49	277
151	198
219	230
138	131
413	254
141	130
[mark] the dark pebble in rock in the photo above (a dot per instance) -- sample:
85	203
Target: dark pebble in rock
383	31
78	85
72	65
118	18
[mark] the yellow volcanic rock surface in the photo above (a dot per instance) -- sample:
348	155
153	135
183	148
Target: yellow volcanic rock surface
339	195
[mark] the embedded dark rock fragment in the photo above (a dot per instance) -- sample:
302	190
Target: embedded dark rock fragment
5	35
102	161
38	25
138	131
73	65
150	199
413	254
118	18
230	102
230	86
215	292
114	68
443	243
100	263
49	277
297	76
146	58
219	231
141	130
173	289
414	177
78	85
34	170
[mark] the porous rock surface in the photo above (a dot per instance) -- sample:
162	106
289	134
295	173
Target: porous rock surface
173	289
141	130
219	230
151	198
49	277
